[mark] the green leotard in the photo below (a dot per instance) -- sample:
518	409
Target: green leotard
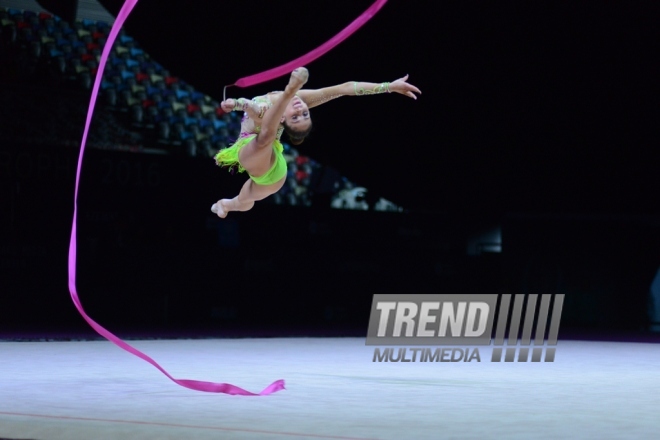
228	157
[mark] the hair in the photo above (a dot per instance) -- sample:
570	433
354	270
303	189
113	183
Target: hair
296	137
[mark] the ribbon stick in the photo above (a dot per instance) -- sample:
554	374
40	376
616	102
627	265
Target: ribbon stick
287	68
210	387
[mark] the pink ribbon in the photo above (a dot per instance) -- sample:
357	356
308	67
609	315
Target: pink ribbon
126	9
287	68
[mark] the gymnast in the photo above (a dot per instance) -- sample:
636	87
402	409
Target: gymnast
258	149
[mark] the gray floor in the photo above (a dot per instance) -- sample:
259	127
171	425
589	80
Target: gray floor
94	390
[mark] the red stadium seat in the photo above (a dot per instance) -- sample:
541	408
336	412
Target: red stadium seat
301	175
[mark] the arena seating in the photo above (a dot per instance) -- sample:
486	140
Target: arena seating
148	97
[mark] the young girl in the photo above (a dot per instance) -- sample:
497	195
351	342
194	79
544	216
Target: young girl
258	149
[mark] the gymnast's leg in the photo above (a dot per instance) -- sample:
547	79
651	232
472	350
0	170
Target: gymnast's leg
244	201
257	156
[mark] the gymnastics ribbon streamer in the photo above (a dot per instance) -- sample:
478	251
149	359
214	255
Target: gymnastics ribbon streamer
287	68
210	387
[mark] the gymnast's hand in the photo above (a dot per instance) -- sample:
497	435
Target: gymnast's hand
401	86
228	105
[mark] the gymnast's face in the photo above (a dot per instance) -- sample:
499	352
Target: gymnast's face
297	116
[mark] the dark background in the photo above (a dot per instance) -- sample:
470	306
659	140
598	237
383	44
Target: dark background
536	118
546	106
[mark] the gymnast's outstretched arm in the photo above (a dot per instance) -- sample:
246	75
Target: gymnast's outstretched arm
254	109
314	98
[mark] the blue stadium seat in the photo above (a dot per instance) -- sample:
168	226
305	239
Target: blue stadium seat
215	122
180	133
152	90
105	84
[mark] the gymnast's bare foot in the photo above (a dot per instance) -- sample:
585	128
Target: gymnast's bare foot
298	79
220	208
